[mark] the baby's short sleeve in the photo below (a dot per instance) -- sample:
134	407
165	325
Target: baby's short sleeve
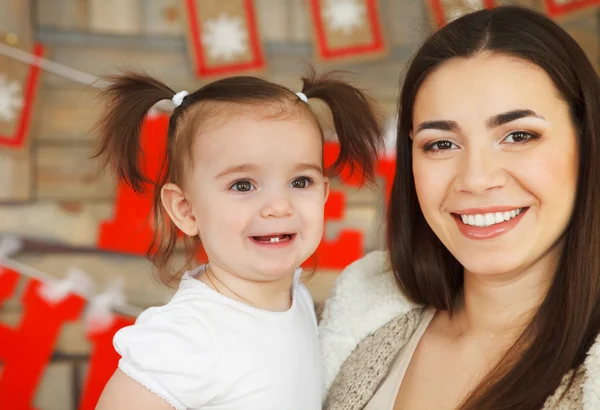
173	353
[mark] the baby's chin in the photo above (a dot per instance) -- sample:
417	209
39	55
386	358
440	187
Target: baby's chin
275	271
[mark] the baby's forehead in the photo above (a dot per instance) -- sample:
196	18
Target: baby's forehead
210	115
211	130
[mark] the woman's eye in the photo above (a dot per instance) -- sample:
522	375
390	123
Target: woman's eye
301	182
519	137
443	145
242	186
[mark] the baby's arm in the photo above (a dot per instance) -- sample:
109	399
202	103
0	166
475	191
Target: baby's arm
169	360
124	393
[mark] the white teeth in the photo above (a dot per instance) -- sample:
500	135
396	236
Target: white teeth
275	239
479	220
489	219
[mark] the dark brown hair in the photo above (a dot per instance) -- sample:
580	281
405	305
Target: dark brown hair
568	320
130	96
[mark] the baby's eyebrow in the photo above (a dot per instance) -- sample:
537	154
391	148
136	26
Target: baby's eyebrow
303	166
237	169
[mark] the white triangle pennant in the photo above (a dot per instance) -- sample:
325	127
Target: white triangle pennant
9	246
76	281
99	313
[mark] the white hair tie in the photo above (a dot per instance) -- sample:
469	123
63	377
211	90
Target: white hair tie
178	98
303	97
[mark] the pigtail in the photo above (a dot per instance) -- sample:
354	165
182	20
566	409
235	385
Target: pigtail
355	119
128	98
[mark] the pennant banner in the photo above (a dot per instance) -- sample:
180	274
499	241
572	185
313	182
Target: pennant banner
445	11
26	349
347	29
18	84
223	37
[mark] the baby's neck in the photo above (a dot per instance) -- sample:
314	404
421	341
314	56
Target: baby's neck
273	295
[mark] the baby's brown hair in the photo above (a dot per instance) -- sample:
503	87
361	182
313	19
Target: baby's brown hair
130	96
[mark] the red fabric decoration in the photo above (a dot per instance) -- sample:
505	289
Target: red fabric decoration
386	168
102	364
26	350
223	37
130	230
559	8
9	280
338	253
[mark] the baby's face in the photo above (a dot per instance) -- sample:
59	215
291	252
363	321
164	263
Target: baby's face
257	193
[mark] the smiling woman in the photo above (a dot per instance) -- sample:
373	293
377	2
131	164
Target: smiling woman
511	149
489	294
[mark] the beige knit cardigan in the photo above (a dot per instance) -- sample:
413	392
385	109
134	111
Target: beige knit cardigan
367	320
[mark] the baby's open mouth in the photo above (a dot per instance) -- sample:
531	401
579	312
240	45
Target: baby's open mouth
276	238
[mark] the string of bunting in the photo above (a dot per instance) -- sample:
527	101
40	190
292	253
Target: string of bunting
100	305
64	71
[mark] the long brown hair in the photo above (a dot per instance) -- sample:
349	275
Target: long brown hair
130	96
568	320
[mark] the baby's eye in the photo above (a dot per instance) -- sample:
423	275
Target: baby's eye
302	182
242	186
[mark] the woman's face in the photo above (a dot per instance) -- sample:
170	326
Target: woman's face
495	162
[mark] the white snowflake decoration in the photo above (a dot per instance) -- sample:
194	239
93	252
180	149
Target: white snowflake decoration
344	15
225	37
10	98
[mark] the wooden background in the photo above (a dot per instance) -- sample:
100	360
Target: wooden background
50	192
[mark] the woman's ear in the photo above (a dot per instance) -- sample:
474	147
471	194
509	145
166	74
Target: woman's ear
179	209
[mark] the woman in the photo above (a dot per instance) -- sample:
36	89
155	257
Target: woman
489	295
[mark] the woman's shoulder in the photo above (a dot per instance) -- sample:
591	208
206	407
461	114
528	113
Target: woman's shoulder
591	383
366	286
364	298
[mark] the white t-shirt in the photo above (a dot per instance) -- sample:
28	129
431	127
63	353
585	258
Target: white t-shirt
204	350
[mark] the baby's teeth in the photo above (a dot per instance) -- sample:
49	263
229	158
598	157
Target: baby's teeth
275	239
